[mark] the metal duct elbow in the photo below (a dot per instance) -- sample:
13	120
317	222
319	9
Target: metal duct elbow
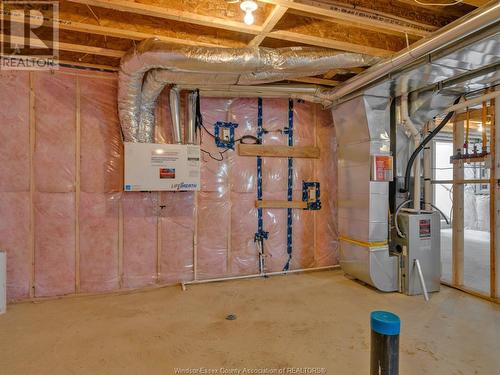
191	123
146	69
175	112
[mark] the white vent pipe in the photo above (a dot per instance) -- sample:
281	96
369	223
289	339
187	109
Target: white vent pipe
175	113
191	123
410	128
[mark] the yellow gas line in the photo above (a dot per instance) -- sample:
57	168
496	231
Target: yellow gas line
363	243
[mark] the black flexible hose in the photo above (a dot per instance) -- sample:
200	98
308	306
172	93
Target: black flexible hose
421	146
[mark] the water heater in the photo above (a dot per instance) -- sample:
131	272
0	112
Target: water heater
161	167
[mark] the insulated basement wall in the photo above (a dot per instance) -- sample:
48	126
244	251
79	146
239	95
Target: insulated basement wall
68	227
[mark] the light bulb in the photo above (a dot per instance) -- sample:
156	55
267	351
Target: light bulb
480	128
249	7
249	19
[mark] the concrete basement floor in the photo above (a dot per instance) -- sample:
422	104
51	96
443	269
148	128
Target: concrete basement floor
476	259
318	319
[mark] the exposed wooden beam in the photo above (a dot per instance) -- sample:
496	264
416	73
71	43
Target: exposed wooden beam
476	3
372	19
65	24
70	47
452	11
172	14
279	151
345	22
333	72
276	14
89	65
328	43
84	27
474	115
316	81
184	16
280	204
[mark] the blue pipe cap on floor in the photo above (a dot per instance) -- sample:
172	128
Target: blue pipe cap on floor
385	323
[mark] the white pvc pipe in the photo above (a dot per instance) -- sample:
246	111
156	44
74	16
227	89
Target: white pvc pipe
428	172
471	102
191	122
175	113
457	30
258	275
410	126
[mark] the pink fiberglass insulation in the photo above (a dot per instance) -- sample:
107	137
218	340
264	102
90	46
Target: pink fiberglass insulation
243	255
243	170
177	236
139	239
274	170
54	244
159	230
100	137
98	223
55	114
214	174
14	131
15	240
327	246
213	234
275	223
302	239
15	181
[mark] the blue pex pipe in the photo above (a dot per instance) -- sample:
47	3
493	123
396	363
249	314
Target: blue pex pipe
261	234
289	229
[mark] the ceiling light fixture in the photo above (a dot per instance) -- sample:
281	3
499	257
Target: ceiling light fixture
249	7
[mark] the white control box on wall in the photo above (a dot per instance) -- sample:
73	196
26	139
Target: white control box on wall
161	167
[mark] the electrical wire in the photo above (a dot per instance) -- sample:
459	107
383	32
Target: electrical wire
221	158
420	147
456	2
200	125
441	212
400	234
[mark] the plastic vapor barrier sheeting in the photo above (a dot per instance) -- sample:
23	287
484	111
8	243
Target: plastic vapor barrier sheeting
68	227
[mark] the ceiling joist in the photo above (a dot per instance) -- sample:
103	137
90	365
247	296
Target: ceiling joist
358	16
98	32
276	14
70	47
172	14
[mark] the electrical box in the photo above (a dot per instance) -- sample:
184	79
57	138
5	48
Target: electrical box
224	134
423	242
382	169
161	167
311	195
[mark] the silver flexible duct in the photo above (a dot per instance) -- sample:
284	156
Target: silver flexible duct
191	123
150	66
175	113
